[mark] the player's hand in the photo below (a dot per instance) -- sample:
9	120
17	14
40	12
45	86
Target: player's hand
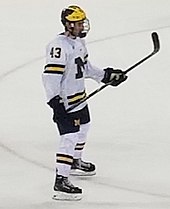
58	108
115	76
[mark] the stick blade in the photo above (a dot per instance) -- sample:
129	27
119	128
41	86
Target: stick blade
156	42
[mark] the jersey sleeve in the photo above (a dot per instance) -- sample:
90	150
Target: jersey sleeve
54	69
92	71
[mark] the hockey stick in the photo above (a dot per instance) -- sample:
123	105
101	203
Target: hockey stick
156	44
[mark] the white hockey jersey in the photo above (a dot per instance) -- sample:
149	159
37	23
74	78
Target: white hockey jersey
65	71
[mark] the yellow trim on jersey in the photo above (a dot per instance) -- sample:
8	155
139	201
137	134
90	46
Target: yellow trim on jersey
77	97
54	69
61	69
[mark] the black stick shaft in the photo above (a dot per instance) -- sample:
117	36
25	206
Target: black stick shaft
156	45
138	63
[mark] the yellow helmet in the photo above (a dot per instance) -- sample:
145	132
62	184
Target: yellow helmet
72	14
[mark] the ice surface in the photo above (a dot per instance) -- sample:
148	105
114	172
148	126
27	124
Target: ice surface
129	138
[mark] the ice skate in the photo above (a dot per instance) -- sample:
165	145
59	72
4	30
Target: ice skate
81	168
65	190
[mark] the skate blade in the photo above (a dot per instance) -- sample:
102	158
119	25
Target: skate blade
66	196
77	172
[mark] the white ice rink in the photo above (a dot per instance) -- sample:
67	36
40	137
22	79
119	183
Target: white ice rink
129	139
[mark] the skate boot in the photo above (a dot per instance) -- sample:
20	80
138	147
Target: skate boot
65	190
81	168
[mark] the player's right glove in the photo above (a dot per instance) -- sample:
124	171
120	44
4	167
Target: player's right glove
58	108
115	76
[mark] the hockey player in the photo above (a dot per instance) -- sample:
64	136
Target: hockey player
64	75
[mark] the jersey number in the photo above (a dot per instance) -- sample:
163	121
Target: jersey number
80	67
55	52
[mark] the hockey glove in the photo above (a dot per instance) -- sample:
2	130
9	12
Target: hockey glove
58	108
116	76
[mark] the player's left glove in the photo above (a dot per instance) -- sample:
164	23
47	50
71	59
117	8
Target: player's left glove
115	76
58	109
